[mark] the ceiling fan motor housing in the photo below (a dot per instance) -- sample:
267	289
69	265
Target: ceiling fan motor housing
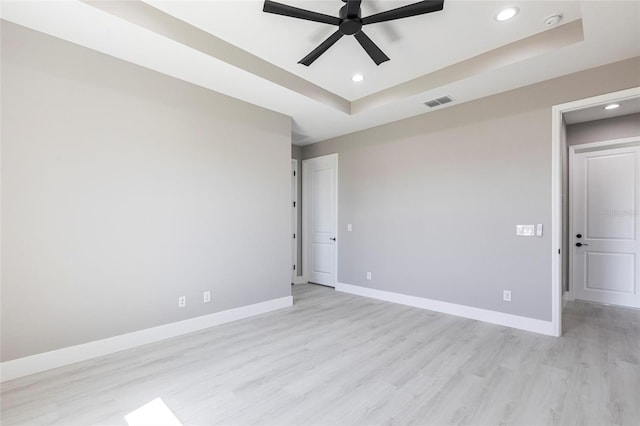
350	25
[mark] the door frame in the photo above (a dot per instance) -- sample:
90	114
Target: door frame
573	150
305	217
558	144
295	205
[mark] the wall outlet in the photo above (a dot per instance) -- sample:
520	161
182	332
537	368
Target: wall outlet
206	297
369	276
182	301
506	295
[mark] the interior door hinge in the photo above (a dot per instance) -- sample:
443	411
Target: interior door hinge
294	267
294	235
294	204
294	173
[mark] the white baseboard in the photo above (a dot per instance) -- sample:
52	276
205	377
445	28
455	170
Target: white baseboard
493	317
45	361
300	280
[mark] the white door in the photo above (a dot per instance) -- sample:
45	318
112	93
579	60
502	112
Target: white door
605	214
294	220
320	211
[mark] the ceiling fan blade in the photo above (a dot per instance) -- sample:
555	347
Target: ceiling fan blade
353	8
371	48
414	9
323	47
295	12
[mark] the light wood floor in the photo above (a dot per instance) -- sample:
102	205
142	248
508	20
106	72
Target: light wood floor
338	359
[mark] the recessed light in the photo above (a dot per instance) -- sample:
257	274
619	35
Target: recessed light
357	77
612	106
507	14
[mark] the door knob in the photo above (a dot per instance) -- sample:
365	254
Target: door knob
332	238
578	235
580	244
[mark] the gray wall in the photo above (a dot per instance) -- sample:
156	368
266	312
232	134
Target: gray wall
434	200
625	126
123	189
296	154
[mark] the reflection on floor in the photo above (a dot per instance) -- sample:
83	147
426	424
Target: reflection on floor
154	413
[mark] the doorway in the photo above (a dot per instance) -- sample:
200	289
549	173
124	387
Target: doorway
559	221
294	220
604	231
320	219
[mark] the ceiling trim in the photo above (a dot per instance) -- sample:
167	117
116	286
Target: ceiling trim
159	22
511	53
146	16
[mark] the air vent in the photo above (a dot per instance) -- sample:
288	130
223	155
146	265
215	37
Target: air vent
439	101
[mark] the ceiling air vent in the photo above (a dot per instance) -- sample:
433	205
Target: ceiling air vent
437	102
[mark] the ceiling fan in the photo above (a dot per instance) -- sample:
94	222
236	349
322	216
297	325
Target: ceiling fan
350	22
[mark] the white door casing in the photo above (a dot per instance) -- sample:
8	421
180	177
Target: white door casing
605	212
320	219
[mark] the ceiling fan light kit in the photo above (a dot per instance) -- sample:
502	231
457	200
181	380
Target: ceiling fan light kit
350	22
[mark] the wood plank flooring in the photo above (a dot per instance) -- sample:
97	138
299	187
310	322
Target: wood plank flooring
339	359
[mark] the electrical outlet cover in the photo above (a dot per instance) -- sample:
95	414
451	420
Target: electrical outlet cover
525	230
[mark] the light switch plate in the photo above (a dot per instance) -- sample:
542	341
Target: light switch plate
539	230
525	230
349	227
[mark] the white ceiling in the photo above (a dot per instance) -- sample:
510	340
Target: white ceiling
269	75
627	106
416	45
